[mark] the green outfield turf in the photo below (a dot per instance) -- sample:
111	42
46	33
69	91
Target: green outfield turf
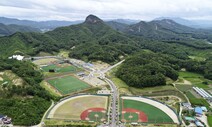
68	84
60	68
155	115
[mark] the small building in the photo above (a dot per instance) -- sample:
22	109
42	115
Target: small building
190	119
199	124
17	57
198	111
186	105
204	109
1	117
81	74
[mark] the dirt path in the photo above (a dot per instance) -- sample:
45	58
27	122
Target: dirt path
162	107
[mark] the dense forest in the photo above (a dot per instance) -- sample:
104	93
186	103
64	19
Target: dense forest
25	103
146	69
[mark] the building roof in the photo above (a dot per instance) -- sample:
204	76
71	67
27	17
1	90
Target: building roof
190	118
18	57
186	104
199	124
198	110
204	108
1	116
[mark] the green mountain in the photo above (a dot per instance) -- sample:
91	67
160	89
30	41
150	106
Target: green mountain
159	29
6	30
117	26
92	39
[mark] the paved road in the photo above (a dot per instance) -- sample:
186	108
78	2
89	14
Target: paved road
115	96
114	110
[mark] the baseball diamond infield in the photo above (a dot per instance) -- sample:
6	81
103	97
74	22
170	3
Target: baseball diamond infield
139	109
81	107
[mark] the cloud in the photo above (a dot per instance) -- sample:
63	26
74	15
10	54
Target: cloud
106	9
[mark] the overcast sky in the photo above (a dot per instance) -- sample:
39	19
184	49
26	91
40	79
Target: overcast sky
105	9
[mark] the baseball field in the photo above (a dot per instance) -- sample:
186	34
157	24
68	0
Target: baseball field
133	110
82	107
68	84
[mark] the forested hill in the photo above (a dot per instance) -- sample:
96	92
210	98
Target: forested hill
92	39
96	40
147	69
6	30
171	32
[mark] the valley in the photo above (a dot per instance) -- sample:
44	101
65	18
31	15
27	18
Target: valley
106	74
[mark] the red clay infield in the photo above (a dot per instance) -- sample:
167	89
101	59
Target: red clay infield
142	116
85	113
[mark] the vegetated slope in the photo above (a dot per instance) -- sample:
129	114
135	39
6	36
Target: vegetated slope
94	40
147	69
26	44
171	32
6	30
27	102
116	25
43	25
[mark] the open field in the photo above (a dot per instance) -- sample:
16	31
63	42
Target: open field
60	68
82	107
210	120
45	61
10	78
50	88
68	84
195	79
147	110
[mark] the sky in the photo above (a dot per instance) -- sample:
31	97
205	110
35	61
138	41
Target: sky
70	10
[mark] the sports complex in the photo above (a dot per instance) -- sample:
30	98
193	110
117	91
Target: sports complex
67	84
140	109
81	108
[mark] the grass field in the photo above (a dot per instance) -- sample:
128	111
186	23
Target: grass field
154	114
210	120
72	108
68	84
60	68
195	79
45	61
183	88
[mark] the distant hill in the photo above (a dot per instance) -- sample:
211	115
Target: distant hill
116	25
126	21
167	30
6	30
204	24
158	29
43	25
93	40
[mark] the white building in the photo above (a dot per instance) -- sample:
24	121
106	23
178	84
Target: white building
17	57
